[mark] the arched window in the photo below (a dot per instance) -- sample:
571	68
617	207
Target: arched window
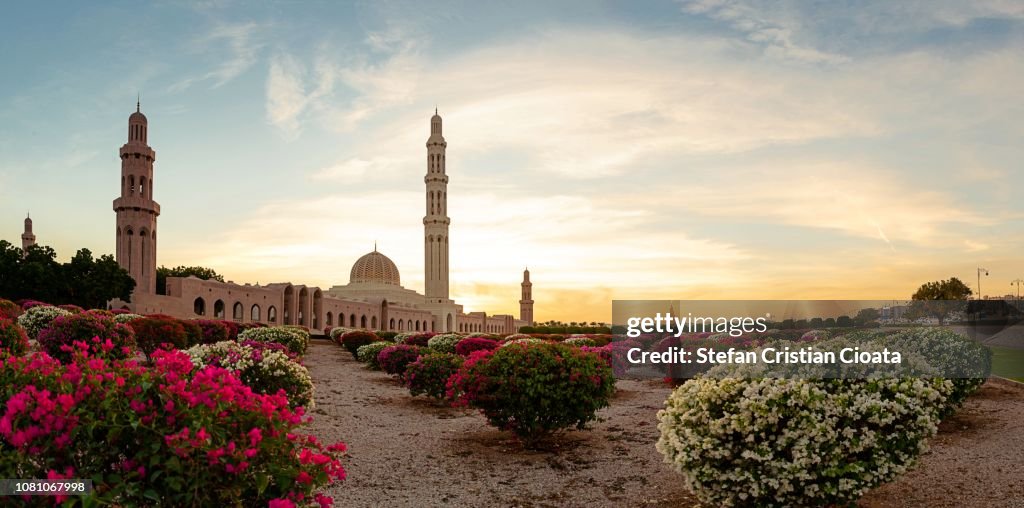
271	314
254	313
330	319
237	311
417	326
142	186
352	321
131	184
199	307
373	322
450	323
391	324
362	322
218	309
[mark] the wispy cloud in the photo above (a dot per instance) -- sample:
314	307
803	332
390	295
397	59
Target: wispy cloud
235	47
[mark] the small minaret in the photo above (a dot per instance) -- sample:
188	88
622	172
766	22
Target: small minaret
436	221
136	210
526	304
27	238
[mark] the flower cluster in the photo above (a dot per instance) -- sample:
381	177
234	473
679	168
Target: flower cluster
263	369
430	372
517	336
467	346
208	437
12	337
126	317
524	340
214	330
38	317
421	339
295	339
9	309
153	332
106	337
394	359
444	343
534	390
580	341
355	338
368	353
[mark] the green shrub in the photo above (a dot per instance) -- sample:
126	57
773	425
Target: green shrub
534	390
368	353
430	372
386	335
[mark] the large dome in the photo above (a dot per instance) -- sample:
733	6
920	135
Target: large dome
374	267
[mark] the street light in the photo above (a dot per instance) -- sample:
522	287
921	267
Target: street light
1017	282
980	270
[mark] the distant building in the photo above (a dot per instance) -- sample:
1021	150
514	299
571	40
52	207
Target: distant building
28	239
373	299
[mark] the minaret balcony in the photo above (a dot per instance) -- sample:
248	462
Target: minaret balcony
139	148
139	202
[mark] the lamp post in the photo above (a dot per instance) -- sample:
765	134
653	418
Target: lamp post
1017	282
980	270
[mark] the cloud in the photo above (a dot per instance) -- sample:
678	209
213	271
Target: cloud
237	46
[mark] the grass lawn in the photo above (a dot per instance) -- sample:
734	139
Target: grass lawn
1008	362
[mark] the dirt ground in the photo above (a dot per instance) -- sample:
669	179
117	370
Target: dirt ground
406	451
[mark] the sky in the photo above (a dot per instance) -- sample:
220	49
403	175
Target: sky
712	149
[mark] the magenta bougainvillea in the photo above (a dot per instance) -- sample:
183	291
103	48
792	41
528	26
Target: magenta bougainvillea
90	328
12	337
465	347
167	435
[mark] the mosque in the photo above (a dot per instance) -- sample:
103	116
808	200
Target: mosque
373	299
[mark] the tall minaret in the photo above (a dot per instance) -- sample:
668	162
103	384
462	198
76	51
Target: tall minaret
526	304
136	210
436	221
27	238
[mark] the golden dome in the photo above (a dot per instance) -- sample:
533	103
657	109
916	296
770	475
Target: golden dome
374	267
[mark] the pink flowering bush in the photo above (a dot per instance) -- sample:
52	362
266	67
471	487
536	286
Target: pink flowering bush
12	338
9	309
170	435
97	331
261	368
534	389
394	359
354	339
214	330
467	346
429	374
152	332
415	339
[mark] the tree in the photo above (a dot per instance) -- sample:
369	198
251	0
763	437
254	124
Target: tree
83	281
939	299
866	316
844	322
183	271
94	282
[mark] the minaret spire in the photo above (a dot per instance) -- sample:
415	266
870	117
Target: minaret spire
138	103
435	230
135	209
526	302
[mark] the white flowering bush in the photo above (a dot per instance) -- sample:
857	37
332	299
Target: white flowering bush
336	332
262	369
814	335
295	339
126	317
368	353
796	442
37	318
517	336
444	343
580	341
527	340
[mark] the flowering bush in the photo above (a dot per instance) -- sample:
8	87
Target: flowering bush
467	346
527	340
28	304
336	332
152	332
38	317
295	339
580	341
12	338
170	435
444	343
126	317
795	442
395	359
534	390
9	309
368	353
86	327
386	335
264	370
214	330
193	331
352	340
74	309
430	372
814	335
421	339
517	336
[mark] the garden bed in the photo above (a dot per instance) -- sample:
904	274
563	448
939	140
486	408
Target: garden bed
407	451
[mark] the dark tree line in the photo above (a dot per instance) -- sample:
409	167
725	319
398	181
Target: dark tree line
183	271
84	280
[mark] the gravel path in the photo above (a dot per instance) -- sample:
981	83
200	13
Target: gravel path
406	451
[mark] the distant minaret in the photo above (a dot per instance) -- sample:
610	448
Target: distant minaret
436	221
526	304
27	238
136	210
